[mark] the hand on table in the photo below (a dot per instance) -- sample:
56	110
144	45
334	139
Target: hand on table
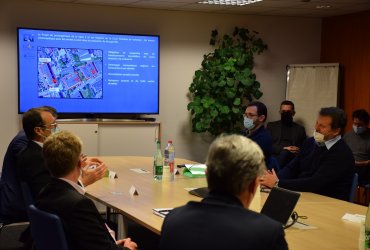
269	179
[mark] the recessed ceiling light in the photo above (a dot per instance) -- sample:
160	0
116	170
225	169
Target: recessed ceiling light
230	2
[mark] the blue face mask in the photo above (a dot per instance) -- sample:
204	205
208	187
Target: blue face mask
359	130
248	123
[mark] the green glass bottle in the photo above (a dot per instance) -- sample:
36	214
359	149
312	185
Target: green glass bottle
367	229
158	163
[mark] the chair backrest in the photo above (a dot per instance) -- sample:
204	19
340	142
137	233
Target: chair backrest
47	230
353	188
27	195
10	235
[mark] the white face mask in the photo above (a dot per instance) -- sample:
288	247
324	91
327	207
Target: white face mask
54	130
248	123
319	138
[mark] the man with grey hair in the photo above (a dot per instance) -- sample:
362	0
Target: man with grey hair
222	220
82	223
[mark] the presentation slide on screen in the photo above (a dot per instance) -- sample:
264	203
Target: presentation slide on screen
79	72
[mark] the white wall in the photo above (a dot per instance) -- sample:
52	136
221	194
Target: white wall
184	39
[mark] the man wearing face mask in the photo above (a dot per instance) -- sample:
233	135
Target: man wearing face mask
324	165
287	136
358	140
38	124
12	207
254	118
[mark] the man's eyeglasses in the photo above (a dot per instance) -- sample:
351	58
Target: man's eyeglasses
249	115
49	126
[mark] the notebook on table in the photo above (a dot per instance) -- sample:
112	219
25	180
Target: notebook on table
194	170
201	192
280	204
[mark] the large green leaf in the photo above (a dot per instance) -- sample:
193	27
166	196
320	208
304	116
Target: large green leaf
257	94
235	110
225	110
237	101
247	82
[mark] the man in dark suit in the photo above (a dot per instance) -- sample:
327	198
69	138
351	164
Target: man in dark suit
255	116
287	136
325	164
222	220
63	196
38	124
12	208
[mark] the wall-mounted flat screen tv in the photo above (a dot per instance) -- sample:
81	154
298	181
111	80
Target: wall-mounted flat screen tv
88	73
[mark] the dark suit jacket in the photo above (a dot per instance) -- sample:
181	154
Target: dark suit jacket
316	169
82	222
220	222
263	138
31	168
297	135
12	208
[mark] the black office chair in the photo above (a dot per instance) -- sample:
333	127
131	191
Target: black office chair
10	235
47	230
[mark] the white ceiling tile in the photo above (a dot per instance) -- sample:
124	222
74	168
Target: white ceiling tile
302	8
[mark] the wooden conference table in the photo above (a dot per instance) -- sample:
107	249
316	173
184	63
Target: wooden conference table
323	212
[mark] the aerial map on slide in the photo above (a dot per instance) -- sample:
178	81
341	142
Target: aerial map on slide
70	73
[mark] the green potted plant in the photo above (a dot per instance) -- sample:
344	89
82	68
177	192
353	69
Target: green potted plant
224	82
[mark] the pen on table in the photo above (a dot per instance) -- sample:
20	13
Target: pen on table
303	223
165	211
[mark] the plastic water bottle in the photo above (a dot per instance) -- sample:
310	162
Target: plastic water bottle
367	229
169	162
158	163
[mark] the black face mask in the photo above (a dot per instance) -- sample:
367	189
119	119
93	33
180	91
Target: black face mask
287	118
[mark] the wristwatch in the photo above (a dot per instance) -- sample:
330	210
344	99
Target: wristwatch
276	183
